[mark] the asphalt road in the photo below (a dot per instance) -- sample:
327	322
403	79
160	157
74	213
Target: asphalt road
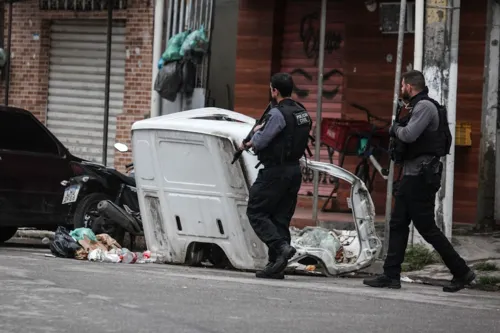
41	294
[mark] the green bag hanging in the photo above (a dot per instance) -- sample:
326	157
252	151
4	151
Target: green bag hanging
197	41
173	51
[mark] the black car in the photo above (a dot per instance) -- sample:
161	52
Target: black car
32	165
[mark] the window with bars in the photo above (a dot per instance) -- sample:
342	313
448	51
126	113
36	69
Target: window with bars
81	5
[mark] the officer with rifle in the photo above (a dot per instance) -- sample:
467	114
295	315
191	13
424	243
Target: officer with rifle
279	139
419	140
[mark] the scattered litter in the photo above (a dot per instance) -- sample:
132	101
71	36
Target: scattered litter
45	241
96	255
108	241
83	244
406	279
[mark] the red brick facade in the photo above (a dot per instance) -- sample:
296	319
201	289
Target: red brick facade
30	60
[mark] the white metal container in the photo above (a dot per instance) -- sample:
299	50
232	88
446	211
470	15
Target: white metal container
191	195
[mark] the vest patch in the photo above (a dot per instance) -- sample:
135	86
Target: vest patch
302	118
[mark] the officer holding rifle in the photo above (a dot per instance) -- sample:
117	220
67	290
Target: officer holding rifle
279	141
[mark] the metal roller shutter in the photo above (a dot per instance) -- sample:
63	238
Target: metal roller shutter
75	112
299	57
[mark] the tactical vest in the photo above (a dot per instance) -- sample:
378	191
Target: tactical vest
291	143
433	143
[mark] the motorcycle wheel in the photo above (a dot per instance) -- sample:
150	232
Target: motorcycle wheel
86	208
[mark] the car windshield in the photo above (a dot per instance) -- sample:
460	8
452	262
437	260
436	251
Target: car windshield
21	132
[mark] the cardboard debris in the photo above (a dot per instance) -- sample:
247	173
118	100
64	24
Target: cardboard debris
90	245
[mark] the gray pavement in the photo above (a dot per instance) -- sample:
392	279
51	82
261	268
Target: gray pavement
41	294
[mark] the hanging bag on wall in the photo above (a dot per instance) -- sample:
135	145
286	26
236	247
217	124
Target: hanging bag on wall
196	42
174	45
168	81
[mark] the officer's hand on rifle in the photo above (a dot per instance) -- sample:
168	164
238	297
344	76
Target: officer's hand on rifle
258	127
394	129
245	145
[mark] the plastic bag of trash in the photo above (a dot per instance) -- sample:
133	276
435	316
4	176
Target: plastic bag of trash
314	237
174	44
63	246
79	234
196	42
168	81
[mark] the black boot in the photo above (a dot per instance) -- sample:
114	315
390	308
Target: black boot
267	272
383	281
284	252
457	284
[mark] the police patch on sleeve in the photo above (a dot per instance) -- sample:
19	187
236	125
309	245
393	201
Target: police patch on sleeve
302	118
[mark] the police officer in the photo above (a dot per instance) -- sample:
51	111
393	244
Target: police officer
279	143
420	140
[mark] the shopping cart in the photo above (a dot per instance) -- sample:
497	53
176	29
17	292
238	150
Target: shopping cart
360	138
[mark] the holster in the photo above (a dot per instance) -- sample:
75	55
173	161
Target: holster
432	171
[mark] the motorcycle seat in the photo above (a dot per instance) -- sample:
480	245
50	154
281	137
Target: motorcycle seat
130	181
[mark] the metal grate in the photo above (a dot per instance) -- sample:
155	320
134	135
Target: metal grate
191	14
81	5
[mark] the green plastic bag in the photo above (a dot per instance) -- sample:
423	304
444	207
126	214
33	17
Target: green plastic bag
79	233
197	41
173	51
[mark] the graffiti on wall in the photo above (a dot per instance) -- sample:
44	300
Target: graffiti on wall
309	35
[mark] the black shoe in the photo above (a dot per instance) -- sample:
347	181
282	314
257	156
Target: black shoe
267	273
383	281
457	284
286	252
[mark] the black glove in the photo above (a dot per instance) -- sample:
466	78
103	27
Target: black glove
393	129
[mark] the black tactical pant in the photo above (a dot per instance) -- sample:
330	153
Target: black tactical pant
415	202
271	204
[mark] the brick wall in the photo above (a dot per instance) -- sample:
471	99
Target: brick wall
30	60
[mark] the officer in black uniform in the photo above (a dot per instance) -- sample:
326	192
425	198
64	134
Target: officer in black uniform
279	143
420	140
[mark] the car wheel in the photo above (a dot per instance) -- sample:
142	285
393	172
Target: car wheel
86	210
7	233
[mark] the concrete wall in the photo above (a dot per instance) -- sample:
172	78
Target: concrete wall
223	59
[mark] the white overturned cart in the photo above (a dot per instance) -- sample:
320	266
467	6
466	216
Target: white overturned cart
193	200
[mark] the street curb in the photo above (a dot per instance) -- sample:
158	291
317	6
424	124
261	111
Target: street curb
36	234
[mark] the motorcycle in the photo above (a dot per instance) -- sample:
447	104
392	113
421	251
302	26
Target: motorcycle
104	199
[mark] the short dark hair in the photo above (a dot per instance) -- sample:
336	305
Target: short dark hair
283	82
415	79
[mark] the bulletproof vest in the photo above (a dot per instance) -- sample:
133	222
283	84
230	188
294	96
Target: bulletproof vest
433	143
291	143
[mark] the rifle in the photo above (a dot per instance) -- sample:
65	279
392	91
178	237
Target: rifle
263	118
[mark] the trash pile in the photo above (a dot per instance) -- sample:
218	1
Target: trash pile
83	244
342	245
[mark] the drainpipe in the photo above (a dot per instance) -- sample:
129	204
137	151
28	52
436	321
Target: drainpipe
9	53
157	44
452	118
105	131
418	58
397	88
321	60
419	34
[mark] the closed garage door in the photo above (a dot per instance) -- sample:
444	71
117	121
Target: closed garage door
77	72
299	57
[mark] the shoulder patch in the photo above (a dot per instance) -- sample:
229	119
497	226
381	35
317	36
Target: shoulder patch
302	117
